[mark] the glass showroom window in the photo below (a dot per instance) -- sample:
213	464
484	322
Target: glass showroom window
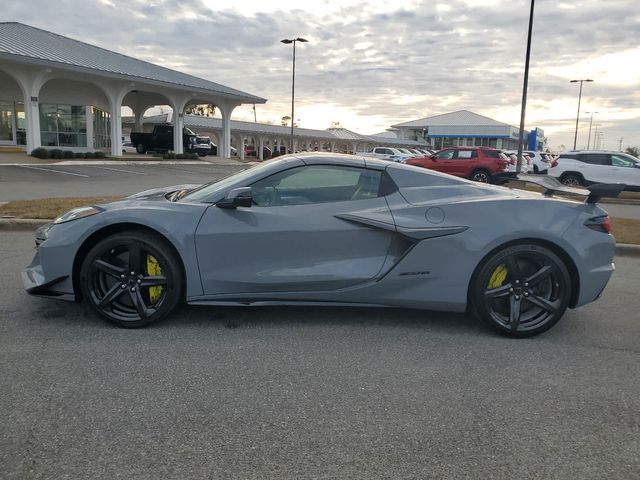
63	125
101	128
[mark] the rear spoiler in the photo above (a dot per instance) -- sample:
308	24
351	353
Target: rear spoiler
593	192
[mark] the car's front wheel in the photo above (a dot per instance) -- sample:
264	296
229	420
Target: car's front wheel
141	149
132	278
522	290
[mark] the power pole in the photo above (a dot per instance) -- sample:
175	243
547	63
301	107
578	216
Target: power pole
523	107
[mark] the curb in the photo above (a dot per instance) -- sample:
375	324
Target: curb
30	224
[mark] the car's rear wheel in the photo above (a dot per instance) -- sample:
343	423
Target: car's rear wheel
572	179
482	176
522	290
132	278
141	149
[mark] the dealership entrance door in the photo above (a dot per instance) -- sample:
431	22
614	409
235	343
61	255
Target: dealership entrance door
12	123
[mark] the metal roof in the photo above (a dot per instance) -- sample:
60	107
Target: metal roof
24	42
459	118
214	123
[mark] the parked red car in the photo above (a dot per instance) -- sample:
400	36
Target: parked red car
481	164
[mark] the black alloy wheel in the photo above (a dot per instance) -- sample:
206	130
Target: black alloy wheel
522	290
481	176
132	279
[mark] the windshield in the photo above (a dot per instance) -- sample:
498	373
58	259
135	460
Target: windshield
188	131
203	192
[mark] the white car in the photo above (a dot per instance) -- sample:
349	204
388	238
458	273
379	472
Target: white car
541	160
512	157
128	147
597	166
388	153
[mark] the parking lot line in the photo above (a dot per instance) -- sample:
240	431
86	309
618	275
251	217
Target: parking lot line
117	170
54	171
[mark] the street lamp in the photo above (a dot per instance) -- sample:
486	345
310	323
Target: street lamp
590	123
523	107
575	138
293	78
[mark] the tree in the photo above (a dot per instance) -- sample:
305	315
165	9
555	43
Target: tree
336	124
635	151
203	109
285	121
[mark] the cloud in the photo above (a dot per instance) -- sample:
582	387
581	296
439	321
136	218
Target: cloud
369	64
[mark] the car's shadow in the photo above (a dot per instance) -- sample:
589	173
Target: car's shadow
62	314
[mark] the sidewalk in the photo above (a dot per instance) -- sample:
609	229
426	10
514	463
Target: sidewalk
24	159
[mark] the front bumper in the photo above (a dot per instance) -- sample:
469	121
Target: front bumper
35	282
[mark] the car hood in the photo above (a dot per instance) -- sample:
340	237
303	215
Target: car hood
161	192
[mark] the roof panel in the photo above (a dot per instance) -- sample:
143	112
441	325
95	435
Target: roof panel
461	117
30	42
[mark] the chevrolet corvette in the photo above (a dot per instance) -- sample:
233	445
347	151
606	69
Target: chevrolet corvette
339	230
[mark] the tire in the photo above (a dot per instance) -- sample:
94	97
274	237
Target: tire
572	179
141	149
482	176
521	290
536	170
202	154
127	294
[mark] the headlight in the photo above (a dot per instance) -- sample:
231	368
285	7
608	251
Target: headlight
77	213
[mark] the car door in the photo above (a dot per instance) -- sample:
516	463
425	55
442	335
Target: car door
624	170
291	239
463	163
442	161
595	167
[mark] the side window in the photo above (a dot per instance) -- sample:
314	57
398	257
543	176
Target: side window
492	153
445	155
316	184
596	158
620	161
466	154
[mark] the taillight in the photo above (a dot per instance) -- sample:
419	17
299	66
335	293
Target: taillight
599	224
512	161
554	163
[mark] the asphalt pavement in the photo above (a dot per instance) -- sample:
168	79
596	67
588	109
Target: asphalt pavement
300	393
26	182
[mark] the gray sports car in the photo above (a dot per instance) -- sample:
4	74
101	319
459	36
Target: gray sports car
327	229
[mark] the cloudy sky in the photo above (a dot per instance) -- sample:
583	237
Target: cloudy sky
369	64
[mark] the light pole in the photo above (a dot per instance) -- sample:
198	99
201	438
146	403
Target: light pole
575	138
293	79
595	136
523	108
590	123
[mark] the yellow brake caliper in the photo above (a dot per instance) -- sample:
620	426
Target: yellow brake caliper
498	276
153	268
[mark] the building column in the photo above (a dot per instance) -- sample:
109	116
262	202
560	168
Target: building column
354	147
261	148
241	147
32	117
178	126
116	127
89	123
226	110
333	147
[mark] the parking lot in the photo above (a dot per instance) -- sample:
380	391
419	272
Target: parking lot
315	393
32	181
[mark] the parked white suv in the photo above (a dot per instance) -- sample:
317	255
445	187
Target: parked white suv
597	166
388	153
541	160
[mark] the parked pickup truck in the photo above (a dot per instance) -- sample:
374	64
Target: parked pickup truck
388	153
161	140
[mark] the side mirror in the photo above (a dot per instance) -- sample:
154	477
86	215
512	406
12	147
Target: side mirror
238	197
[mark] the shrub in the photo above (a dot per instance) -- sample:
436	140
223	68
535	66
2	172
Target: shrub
56	153
40	153
193	156
99	154
169	156
78	155
68	154
88	155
